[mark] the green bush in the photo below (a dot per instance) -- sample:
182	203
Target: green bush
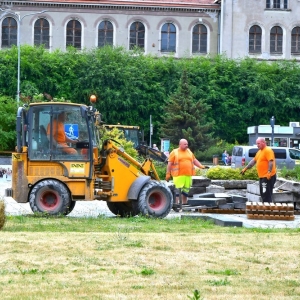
161	169
231	174
218	173
292	174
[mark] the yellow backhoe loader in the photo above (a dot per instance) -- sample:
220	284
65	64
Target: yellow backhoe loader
52	169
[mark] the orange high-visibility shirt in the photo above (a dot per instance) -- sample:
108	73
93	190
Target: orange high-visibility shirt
58	131
182	162
262	159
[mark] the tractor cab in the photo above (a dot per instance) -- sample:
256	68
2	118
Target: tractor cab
56	131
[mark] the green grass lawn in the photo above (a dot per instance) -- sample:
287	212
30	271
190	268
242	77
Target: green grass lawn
140	258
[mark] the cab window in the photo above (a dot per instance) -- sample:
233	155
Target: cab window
57	132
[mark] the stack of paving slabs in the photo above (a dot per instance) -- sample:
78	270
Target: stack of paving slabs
219	203
270	211
199	185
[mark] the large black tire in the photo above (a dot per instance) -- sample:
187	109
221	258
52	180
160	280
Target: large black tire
123	209
71	206
52	197
155	199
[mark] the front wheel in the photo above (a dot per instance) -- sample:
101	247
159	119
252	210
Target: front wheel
155	199
122	209
52	197
71	207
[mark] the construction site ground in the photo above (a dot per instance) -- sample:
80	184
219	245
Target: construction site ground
84	209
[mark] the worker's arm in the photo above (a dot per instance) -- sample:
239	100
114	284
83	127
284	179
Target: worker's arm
249	166
169	166
168	173
198	164
270	168
71	141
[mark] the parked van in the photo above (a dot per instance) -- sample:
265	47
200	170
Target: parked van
285	157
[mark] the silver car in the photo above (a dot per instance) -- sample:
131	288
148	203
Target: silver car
285	157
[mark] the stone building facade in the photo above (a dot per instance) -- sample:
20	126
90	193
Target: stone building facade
262	29
158	27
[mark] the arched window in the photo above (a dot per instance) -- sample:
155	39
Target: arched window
105	34
295	47
74	34
137	35
255	39
199	44
276	37
168	38
41	33
9	32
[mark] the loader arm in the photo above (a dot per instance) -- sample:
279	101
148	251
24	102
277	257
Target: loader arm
147	167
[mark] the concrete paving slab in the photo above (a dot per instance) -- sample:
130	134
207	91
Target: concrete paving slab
215	189
253	189
221	220
253	198
241	220
266	223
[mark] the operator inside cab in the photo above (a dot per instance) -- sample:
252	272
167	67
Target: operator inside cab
60	139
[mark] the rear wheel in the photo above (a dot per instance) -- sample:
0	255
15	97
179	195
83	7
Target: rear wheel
51	196
123	209
155	199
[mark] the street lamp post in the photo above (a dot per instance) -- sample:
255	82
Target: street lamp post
19	20
151	131
272	123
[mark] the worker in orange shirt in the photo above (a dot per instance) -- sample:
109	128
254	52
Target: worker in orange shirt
266	169
59	136
181	166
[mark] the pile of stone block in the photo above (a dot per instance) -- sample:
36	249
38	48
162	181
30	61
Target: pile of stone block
279	196
199	185
207	197
270	211
285	191
286	195
216	203
213	196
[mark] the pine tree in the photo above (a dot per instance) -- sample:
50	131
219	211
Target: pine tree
186	118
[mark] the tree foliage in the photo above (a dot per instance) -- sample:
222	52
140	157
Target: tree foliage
131	86
8	111
185	117
118	138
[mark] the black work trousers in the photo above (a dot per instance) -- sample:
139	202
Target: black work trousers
266	188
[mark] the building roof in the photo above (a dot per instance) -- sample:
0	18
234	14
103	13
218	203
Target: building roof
209	4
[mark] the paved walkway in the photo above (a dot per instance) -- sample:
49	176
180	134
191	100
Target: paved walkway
84	209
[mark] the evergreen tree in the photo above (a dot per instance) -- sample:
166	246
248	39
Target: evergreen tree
186	118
